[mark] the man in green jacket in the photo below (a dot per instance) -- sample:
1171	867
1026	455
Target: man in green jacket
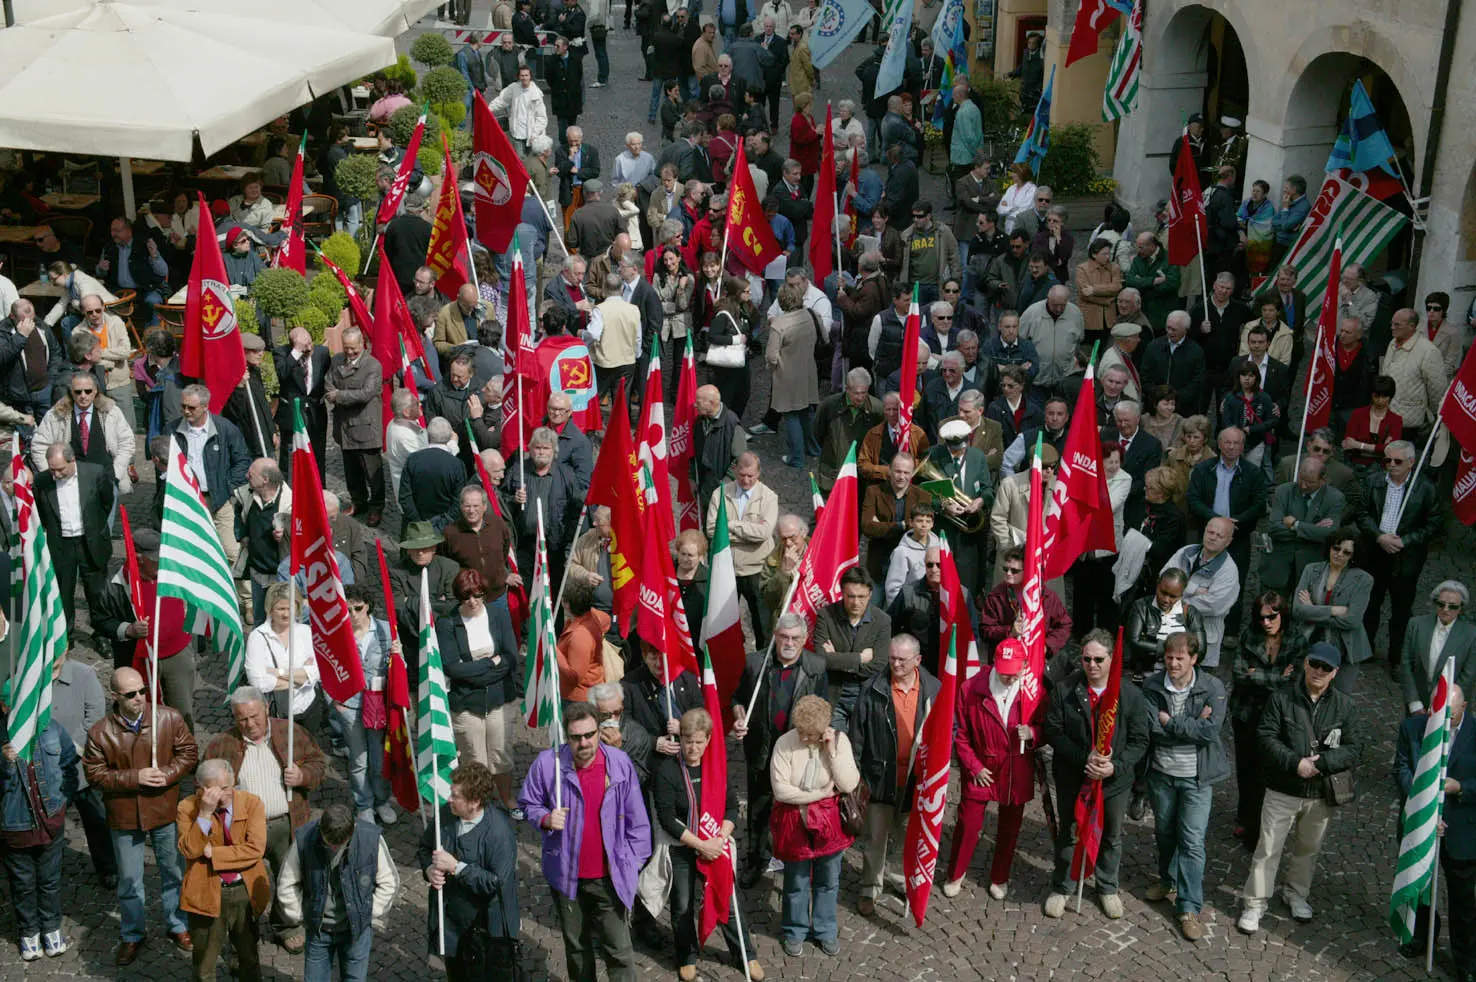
1152	276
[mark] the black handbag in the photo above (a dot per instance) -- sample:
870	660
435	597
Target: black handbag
481	955
853	809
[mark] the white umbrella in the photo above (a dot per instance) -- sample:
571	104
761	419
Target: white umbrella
141	79
387	18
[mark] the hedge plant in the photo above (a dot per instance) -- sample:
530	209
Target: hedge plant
432	49
355	176
1072	163
280	293
314	319
344	251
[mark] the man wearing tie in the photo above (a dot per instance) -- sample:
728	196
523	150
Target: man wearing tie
794	203
774	69
75	499
1458	839
301	370
93	426
1294	311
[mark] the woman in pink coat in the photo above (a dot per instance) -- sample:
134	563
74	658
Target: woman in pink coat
995	743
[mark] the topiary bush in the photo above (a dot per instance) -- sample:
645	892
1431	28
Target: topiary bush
314	320
344	251
999	104
430	160
280	293
432	49
402	71
1072	163
355	176
326	293
443	85
402	126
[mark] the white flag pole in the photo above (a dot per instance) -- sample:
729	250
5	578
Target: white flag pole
291	670
758	680
153	682
436	817
742	944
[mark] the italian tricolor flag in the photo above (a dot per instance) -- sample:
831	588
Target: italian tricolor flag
722	631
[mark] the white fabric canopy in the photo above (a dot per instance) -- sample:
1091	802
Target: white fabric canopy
143	78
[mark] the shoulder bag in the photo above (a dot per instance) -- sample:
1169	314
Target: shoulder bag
730	355
853	809
1337	789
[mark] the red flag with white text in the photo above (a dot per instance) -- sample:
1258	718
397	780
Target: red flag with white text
748	233
1463	492
683	450
1458	410
907	379
822	228
652	449
1092	18
211	350
617	484
661	619
717	890
518	355
389	205
1324	362
1079	518
1032	597
833	549
398	765
1090	800
925	825
293	252
1186	221
953	616
447	255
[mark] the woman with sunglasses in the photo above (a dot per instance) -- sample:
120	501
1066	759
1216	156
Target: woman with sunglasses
1330	602
1269	654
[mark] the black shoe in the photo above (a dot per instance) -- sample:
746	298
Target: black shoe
752	876
109	881
1138	807
1412	949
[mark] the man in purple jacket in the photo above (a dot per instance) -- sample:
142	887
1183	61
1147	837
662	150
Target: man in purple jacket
594	843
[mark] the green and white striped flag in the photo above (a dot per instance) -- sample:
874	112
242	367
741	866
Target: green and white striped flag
193	567
42	624
1365	223
889	13
435	745
541	677
1420	844
1120	96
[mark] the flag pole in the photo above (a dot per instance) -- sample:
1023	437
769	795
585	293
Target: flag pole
1306	399
291	671
568	558
758	680
840	262
743	945
1434	889
522	428
440	894
1080	881
1424	455
153	681
723	260
548	214
1203	281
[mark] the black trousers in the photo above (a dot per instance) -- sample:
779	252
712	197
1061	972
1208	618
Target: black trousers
687	884
1248	777
315	420
1240	549
749	591
772	93
1091	597
89	805
1398	577
759	848
1458	882
364	471
69	556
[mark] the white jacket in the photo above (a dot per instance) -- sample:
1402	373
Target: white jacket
290	888
907	564
118	436
527	116
116	353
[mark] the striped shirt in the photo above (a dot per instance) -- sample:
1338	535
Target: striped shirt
1176	758
262	776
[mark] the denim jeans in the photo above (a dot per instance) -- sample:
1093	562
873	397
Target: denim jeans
352	955
128	847
798	438
365	757
811	888
1181	810
656	86
35	887
602	58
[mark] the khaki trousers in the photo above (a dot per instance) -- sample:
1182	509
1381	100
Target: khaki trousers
882	823
1304	820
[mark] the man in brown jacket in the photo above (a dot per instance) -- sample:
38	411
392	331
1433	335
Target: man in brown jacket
140	789
256	749
222	838
354	382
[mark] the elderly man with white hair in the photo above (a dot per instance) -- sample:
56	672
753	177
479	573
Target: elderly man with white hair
619	729
1433	639
1170	361
941	393
433	478
633	164
1141	452
1055	326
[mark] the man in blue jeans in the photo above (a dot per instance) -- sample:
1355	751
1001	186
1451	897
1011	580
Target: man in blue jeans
141	795
1186	709
340	881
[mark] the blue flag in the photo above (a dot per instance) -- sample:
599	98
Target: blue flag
894	62
949	45
836	24
1038	135
1362	144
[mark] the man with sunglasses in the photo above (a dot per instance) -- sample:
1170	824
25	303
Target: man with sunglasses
1308	733
1445	335
1399	519
1069	728
141	795
1435	638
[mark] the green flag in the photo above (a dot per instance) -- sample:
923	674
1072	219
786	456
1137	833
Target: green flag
42	624
435	744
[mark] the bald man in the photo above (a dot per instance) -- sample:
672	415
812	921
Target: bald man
458	320
717	441
753	514
139	777
1214	582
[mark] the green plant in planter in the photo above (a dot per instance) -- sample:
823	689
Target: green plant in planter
432	49
1071	164
355	176
344	251
998	100
326	293
280	293
402	126
441	86
246	318
314	320
402	71
430	160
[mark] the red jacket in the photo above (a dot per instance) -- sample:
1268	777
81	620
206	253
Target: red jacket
982	739
810	831
804	144
997	620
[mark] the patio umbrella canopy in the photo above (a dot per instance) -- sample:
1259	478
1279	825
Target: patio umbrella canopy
144	78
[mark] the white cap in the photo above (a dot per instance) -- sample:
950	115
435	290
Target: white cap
1230	121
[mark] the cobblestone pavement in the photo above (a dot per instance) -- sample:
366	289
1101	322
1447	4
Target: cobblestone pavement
968	937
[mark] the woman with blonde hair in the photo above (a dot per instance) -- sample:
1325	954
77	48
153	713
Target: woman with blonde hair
1018	197
810	767
1192	450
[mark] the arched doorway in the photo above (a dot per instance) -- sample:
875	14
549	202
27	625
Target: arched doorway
1316	112
1200	42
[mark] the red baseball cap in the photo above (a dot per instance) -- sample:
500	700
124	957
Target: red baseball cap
1009	657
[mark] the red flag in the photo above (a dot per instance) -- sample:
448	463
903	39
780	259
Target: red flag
661	620
1463	493
500	177
717	891
448	253
142	660
1092	18
652	447
1375	183
833	549
398	766
519	353
753	240
1080	515
357	309
389	205
925	824
953	617
517	596
1089	800
211	350
313	556
907	379
683	423
822	228
1324	362
560	363
617	483
293	253
1186	222
848	202
1458	410
1032	606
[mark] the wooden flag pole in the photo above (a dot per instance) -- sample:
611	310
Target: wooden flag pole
758	680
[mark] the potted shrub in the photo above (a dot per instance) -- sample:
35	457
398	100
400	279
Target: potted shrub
445	89
329	296
280	294
341	248
432	50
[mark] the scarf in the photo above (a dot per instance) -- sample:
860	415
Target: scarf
1004	696
1346	356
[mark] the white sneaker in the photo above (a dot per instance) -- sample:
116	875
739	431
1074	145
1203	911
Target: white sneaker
1055	905
1250	921
952	888
1111	906
56	945
387	814
597	85
998	890
775	866
30	948
1301	910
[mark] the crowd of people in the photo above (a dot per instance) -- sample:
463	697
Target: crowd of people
1212	483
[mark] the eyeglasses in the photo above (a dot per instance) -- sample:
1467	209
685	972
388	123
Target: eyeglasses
39	239
1085	660
1320	666
84	392
357	608
581	737
614	715
1433	306
132	695
1042	201
1446	605
916	215
1396	460
942	317
1013	570
94	310
1271	615
950	289
933	565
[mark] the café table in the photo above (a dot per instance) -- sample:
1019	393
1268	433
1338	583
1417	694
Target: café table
70	202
